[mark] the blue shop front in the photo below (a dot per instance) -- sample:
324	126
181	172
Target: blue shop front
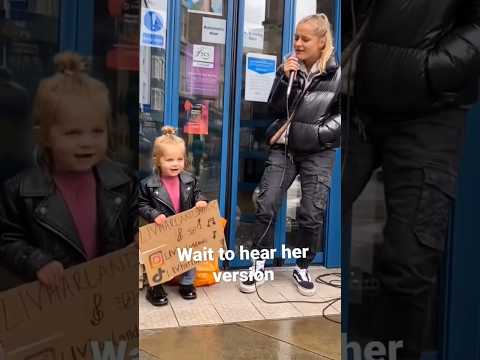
197	74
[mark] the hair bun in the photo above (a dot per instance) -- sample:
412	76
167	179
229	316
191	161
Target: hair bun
168	130
69	63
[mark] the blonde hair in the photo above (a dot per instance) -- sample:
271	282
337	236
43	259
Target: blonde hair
70	80
323	28
167	138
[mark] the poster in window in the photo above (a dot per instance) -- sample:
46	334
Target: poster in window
197	118
259	76
202	70
153	28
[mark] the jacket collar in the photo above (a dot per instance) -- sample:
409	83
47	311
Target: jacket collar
314	69
186	180
154	181
331	66
39	182
53	212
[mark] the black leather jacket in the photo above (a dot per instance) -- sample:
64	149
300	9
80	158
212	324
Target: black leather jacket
154	200
417	56
316	124
36	226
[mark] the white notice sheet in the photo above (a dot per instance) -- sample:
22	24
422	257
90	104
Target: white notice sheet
260	73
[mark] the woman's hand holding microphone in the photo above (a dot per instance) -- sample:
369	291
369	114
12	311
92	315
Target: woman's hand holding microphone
291	65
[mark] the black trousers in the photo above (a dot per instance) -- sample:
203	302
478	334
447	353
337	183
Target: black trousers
315	177
420	159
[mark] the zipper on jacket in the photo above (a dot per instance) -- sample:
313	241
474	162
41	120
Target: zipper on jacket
164	203
308	82
187	201
63	236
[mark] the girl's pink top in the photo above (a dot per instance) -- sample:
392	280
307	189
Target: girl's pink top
79	190
172	185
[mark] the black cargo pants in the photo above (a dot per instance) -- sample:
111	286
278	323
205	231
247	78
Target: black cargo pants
281	169
420	160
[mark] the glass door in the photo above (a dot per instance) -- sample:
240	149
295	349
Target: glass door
267	35
152	82
201	89
109	31
184	83
29	39
259	47
461	317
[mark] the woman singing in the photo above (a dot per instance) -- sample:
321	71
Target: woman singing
302	142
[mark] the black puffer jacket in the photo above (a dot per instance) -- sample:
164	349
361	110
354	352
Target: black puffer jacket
316	124
36	226
154	200
418	56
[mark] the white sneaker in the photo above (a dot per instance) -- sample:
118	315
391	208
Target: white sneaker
249	285
303	280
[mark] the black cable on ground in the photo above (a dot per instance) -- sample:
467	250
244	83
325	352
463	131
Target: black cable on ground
336	283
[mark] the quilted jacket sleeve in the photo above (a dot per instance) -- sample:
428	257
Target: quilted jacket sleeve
456	58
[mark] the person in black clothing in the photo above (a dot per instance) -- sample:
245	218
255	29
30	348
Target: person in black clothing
411	72
302	141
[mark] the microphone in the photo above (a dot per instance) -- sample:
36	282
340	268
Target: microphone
293	75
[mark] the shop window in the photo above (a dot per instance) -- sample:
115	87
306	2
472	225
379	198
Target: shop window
262	36
151	95
201	88
29	39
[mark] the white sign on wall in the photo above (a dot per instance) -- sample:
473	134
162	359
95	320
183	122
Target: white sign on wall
153	28
253	38
213	30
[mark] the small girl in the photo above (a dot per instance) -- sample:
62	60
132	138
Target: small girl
169	190
74	204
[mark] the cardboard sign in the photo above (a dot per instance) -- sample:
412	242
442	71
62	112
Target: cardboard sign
196	229
95	305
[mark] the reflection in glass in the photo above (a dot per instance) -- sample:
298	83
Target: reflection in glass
115	62
29	39
262	34
202	65
151	95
